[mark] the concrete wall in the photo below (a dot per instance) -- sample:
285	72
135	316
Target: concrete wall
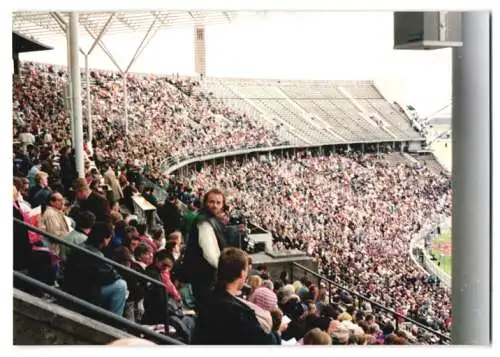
40	322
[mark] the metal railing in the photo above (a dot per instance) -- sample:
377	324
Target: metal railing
443	338
105	316
420	256
172	164
121	268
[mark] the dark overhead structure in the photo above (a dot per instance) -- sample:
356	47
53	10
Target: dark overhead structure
22	43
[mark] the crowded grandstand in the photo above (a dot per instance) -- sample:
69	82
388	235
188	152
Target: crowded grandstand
354	212
330	169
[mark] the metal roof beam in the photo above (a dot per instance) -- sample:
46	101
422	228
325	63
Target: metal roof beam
38	22
126	23
164	19
228	17
101	34
143	43
48	25
59	20
103	47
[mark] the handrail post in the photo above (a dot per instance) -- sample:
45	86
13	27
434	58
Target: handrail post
330	292
167	315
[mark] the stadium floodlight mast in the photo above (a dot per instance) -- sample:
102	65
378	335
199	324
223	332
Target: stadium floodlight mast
469	36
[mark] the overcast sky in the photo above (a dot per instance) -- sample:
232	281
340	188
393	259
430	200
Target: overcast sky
304	45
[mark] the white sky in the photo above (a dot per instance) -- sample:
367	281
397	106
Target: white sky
295	45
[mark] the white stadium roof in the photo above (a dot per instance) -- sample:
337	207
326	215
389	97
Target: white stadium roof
44	25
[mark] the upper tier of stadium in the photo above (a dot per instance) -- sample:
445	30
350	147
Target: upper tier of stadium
317	112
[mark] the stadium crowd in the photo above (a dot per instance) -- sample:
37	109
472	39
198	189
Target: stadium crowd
355	214
185	120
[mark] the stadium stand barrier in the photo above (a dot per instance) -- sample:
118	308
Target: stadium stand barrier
101	314
172	164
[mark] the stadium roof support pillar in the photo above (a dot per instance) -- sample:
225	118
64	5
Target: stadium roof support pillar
70	90
66	29
471	231
76	93
89	101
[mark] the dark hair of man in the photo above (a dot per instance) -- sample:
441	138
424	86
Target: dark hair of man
169	246
265	276
140	250
129	229
262	267
100	231
163	254
388	328
122	255
120	228
53	197
232	262
80	185
359	315
142	227
84	219
372	329
329	311
156	232
133	222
